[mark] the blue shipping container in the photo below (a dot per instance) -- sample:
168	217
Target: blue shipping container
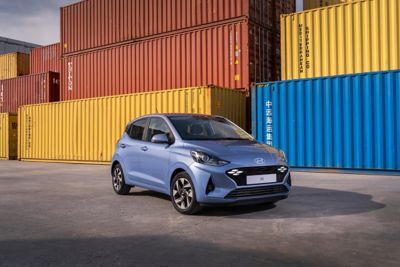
346	122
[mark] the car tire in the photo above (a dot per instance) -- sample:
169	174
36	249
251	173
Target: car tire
118	181
183	194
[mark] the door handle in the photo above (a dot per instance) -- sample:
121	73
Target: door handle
144	148
122	145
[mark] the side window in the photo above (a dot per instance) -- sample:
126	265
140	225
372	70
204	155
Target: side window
158	126
136	129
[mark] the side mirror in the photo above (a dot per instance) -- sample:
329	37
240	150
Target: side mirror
160	139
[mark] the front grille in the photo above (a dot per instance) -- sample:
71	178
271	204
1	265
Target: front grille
257	191
241	178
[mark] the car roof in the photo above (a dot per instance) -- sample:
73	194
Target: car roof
179	115
171	115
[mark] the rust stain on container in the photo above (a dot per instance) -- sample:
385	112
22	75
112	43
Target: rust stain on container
230	55
30	89
93	23
46	58
87	130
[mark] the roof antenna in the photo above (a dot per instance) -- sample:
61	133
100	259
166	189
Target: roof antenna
157	110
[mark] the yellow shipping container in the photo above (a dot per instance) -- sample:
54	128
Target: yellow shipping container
362	36
87	130
310	4
13	65
8	136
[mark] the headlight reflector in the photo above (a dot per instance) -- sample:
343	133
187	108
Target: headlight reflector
204	158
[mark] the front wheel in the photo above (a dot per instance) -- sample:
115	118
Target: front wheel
183	194
118	181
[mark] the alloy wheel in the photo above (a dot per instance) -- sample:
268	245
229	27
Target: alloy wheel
182	193
117	179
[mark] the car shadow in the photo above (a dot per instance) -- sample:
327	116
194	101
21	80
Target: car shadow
303	202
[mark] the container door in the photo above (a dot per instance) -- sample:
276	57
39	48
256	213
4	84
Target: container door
13	135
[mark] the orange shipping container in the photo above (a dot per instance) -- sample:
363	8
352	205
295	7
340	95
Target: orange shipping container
94	23
230	55
46	58
30	89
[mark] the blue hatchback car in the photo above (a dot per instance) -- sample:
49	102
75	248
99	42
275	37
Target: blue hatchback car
198	160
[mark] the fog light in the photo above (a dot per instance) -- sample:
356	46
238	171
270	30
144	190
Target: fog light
210	186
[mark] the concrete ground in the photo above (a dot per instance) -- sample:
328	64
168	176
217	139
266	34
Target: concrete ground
68	215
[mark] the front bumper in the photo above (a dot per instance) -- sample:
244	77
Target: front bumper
214	186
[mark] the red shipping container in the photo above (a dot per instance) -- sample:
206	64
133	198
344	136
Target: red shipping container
46	58
231	55
95	23
30	89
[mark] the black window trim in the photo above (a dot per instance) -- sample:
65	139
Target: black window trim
148	125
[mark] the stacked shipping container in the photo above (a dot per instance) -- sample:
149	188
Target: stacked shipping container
361	36
30	89
92	24
13	65
18	88
159	45
346	122
232	55
45	59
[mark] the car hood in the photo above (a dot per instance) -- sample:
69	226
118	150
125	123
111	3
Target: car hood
233	150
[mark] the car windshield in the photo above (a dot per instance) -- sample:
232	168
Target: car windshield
207	128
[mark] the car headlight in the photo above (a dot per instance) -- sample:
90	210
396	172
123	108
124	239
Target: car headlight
203	158
282	155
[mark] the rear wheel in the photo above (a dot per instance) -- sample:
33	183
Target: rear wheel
183	194
118	181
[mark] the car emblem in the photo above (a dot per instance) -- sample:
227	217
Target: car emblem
235	172
282	169
259	161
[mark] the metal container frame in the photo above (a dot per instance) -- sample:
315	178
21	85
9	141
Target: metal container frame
349	122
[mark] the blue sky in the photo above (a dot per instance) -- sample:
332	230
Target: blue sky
35	21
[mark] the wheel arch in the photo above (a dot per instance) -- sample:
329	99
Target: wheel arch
114	163
175	172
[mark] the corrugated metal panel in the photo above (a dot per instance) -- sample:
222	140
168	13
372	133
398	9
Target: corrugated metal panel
311	4
363	36
8	136
30	89
229	55
349	122
13	65
46	58
87	130
95	23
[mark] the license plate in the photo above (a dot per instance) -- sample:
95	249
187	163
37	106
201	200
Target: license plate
261	179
